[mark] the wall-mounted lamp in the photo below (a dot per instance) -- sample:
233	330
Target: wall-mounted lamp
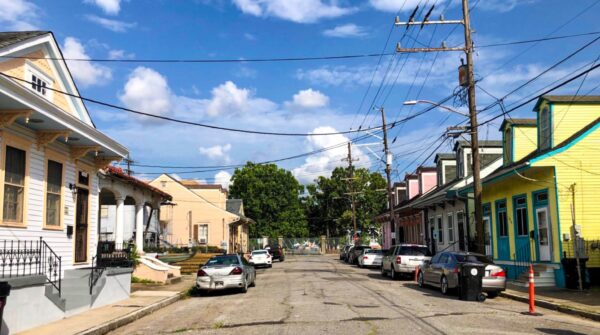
73	188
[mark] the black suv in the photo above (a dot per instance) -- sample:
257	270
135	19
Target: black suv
276	252
355	252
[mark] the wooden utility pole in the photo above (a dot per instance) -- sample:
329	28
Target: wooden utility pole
575	237
351	183
388	171
470	86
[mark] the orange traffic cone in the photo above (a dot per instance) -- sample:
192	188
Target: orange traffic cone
532	293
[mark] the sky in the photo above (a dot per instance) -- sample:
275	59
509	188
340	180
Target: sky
314	96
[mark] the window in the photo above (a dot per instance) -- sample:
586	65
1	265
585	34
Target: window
53	193
38	85
443	259
83	178
521	216
545	129
203	233
502	219
40	82
440	230
14	185
450	227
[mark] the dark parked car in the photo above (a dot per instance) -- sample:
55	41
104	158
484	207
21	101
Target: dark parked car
443	269
355	252
344	252
276	252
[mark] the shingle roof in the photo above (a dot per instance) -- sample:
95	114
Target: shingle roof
118	173
193	184
444	156
519	122
234	206
574	99
12	37
482	144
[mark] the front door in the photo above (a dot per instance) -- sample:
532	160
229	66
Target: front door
81	226
521	228
544	234
486	229
502	230
196	234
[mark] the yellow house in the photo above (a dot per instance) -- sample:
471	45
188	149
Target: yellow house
199	215
551	166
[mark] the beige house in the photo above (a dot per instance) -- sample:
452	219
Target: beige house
198	215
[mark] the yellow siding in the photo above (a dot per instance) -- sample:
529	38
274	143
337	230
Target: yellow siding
532	180
16	68
525	141
567	120
579	164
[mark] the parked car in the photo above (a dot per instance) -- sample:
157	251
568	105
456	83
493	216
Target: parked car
370	258
230	271
276	251
443	272
403	259
261	258
355	252
344	252
347	258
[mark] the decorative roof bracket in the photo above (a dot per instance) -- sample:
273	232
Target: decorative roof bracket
45	137
80	151
8	117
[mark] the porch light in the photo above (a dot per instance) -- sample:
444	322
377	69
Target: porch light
73	188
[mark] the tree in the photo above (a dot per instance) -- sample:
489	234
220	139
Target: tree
328	204
271	197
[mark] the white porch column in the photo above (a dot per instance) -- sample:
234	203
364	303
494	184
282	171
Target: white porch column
120	221
139	228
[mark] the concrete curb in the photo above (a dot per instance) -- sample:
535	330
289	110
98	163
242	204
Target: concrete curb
129	318
554	306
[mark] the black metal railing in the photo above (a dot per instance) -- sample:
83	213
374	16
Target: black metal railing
29	258
95	274
522	259
111	254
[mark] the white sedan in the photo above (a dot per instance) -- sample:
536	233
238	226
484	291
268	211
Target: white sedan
261	258
370	258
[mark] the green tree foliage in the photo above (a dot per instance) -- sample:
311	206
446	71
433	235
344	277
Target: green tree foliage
328	204
272	198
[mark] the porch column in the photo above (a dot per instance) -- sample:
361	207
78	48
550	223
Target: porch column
139	228
120	221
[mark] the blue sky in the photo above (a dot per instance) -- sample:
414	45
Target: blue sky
303	97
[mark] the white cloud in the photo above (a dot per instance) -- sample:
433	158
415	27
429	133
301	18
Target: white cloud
120	54
299	11
85	73
230	99
217	152
308	99
249	37
346	30
110	24
18	15
394	6
147	91
503	6
111	7
223	178
323	163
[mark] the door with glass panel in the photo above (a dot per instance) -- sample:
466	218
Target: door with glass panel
544	234
81	226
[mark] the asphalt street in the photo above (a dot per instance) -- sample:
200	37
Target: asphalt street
322	295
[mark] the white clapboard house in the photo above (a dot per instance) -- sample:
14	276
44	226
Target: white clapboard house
50	155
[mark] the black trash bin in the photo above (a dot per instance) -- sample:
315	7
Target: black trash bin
570	269
4	293
470	278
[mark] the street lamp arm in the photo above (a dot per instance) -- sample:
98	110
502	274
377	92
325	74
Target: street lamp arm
449	109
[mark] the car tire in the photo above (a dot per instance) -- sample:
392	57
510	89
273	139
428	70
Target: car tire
383	273
253	284
444	285
421	279
281	259
492	295
244	288
394	273
270	265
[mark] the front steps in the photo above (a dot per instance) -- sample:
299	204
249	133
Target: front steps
543	276
75	290
191	265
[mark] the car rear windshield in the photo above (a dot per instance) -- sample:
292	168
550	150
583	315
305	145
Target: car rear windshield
473	259
262	252
374	251
415	251
223	260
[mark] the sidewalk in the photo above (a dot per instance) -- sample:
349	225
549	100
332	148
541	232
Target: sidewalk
585	303
143	301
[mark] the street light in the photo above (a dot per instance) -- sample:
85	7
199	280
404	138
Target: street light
449	109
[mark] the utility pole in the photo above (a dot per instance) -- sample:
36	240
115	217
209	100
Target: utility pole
470	86
351	182
388	171
128	161
575	237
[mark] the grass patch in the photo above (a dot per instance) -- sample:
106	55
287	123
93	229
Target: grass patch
218	325
136	280
192	292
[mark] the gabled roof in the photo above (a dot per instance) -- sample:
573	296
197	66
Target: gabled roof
12	37
482	144
118	173
444	157
570	99
519	122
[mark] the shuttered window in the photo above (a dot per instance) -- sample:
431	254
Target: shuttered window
53	193
14	185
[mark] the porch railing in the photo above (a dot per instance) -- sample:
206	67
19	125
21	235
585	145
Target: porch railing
522	259
29	258
111	254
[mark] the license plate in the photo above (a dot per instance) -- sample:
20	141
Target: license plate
219	283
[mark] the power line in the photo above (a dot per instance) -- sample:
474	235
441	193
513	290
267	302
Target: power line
536	40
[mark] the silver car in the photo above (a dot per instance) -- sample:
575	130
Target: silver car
370	258
226	272
443	272
403	259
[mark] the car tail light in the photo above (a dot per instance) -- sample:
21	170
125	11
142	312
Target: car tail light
201	273
268	255
236	271
455	270
365	257
498	273
398	260
250	257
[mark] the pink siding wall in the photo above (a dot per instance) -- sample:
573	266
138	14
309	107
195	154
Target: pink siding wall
413	188
428	180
